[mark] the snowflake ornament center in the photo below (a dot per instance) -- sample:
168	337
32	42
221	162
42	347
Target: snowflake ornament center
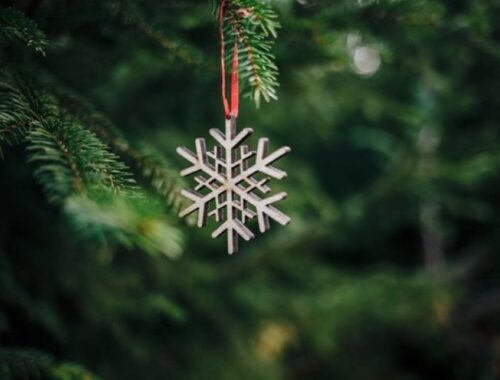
230	188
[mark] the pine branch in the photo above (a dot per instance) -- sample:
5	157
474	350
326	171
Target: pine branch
161	175
151	165
178	47
24	364
133	14
131	222
71	158
70	371
19	108
58	170
99	196
15	26
79	171
254	25
258	13
27	364
252	22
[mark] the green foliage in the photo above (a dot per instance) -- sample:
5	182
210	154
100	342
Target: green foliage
143	18
78	170
15	118
33	365
15	26
69	371
151	165
23	364
108	216
164	178
70	159
253	24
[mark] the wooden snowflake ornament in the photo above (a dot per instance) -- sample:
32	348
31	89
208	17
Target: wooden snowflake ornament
230	187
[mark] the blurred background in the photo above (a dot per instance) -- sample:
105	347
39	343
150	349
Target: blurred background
390	267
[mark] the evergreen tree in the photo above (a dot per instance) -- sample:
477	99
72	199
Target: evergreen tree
389	267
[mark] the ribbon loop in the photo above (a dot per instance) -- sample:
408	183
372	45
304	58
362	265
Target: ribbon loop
229	110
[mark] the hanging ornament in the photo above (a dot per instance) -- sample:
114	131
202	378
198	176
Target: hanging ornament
232	186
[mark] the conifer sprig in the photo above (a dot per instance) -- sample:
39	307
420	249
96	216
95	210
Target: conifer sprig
71	158
163	178
80	172
14	114
253	24
133	14
132	222
14	26
150	165
17	363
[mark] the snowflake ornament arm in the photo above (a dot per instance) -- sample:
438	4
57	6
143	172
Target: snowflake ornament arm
229	182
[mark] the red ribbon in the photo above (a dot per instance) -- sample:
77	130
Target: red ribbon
230	111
